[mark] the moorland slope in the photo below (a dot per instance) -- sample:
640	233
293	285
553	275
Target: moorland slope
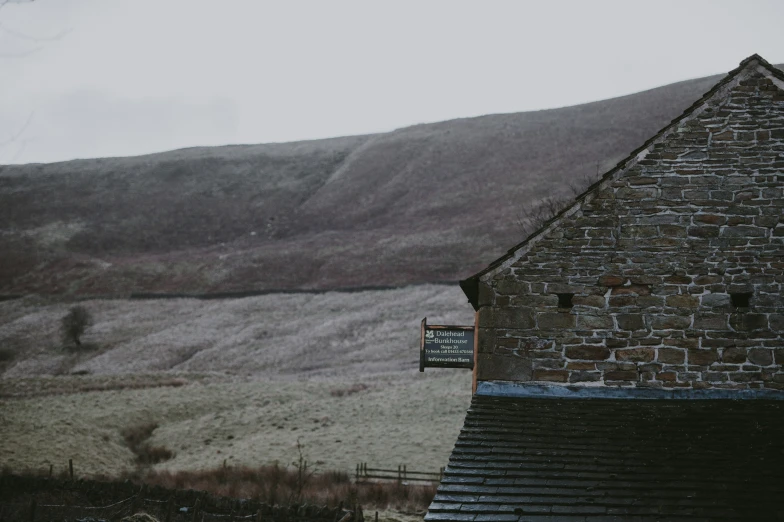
426	203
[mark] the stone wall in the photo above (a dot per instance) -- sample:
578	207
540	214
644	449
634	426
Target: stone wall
652	260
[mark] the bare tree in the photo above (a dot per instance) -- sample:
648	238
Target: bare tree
74	324
534	215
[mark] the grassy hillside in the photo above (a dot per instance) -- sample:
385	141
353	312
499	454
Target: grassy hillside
281	335
234	379
425	203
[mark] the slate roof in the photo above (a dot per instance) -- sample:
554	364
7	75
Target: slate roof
470	284
546	459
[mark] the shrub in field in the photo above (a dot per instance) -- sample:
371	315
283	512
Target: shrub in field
275	484
7	354
351	390
74	324
136	439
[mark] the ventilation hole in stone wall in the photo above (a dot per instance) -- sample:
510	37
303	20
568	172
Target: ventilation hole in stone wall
565	300
741	299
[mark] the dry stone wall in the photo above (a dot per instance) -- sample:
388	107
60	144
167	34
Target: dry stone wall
674	269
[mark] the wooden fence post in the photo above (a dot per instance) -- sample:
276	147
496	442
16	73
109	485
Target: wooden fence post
169	509
404	472
376	516
356	475
70	467
258	515
138	501
51	470
32	510
196	510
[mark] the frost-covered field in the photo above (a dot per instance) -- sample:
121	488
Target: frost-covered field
239	380
296	335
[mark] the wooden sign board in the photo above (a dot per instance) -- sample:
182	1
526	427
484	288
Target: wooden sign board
443	346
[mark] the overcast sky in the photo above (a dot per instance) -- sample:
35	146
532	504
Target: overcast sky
95	78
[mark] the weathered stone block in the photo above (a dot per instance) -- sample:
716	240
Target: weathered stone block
620	375
672	230
703	357
486	295
635	354
487	338
715	300
616	343
536	344
761	356
506	287
645	279
717	343
631	290
703	231
560	288
547	363
636	193
554	321
671	356
710	322
595	301
551	375
710	219
748	322
534	301
715	377
585	376
639	232
630	322
745	376
688	342
647	301
518	318
670	322
497	367
580	366
595	322
587	352
622	300
743	231
612	280
707	280
486	317
682	301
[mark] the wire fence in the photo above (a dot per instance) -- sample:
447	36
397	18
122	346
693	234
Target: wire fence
172	510
401	474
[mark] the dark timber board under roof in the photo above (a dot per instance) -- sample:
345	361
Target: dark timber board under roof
534	459
470	284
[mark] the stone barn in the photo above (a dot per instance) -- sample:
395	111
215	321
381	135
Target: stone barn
629	353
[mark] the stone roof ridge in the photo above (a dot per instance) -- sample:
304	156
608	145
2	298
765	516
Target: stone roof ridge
470	284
